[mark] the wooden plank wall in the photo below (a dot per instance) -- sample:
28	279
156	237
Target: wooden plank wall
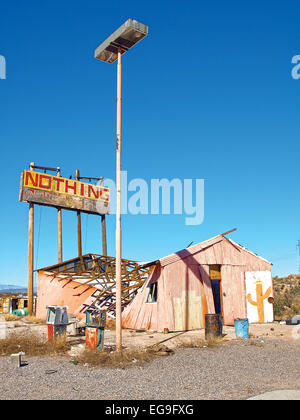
184	289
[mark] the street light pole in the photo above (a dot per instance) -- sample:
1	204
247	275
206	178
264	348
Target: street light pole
124	38
118	211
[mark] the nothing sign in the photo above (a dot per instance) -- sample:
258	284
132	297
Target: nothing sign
69	194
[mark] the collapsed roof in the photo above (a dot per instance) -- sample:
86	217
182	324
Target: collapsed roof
99	272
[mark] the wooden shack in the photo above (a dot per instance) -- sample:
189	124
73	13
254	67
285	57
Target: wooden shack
214	276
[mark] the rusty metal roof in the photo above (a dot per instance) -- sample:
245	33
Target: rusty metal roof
186	252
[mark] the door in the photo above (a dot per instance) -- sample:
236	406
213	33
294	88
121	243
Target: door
216	286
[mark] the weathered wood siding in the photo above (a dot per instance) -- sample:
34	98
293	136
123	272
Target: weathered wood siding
184	287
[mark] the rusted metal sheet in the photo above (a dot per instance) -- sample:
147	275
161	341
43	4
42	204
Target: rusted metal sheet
49	190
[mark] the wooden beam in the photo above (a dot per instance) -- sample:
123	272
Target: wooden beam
103	230
30	253
79	241
59	229
229	231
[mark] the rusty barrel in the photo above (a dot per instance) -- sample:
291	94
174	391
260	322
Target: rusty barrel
213	325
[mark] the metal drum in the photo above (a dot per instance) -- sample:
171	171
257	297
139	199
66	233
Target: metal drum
213	325
241	326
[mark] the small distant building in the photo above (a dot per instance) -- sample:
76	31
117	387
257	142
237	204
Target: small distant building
11	302
214	276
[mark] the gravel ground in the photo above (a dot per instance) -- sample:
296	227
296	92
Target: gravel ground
233	370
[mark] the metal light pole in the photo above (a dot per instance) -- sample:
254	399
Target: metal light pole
129	34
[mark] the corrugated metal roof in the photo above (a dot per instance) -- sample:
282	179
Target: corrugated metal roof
201	246
248	250
189	251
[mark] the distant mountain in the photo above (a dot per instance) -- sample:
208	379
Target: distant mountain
12	288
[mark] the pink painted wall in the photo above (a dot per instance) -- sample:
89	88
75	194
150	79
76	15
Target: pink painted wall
55	291
184	289
178	286
190	274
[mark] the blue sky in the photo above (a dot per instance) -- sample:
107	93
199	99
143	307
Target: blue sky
208	94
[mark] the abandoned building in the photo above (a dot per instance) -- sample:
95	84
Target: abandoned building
174	292
11	302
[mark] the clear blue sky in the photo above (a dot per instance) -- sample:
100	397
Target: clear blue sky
208	94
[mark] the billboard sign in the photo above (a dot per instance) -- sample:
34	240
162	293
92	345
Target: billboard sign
69	194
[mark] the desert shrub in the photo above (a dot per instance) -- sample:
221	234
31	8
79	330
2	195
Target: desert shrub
33	345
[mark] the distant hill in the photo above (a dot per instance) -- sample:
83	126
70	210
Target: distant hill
12	288
286	296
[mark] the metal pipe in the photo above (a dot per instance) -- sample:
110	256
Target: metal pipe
118	210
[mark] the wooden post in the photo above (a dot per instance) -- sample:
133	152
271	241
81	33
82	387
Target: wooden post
103	229
59	229
30	253
78	224
118	212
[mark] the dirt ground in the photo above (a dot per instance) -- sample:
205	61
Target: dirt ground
234	369
132	338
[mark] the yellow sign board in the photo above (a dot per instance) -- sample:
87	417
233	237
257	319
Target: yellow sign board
56	191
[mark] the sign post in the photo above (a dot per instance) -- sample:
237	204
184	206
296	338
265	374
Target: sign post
59	228
30	253
79	242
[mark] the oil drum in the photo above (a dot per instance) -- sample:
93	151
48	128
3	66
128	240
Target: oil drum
213	325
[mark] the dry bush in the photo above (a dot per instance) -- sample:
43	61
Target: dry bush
190	342
211	341
124	359
10	317
287	298
110	324
33	345
214	340
35	320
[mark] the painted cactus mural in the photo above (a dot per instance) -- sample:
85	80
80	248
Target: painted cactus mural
260	297
259	283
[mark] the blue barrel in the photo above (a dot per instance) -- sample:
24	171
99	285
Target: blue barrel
241	326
